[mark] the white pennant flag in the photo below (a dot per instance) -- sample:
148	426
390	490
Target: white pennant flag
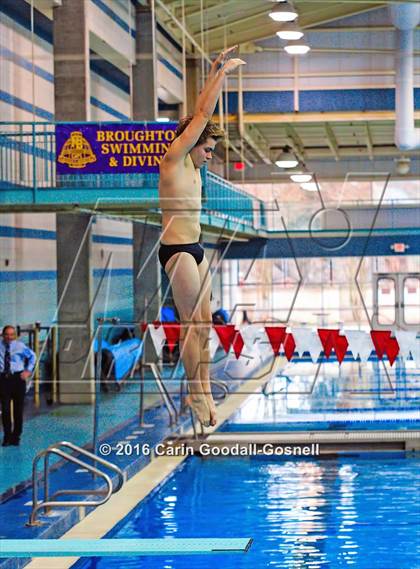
256	342
158	337
307	340
252	335
408	342
360	344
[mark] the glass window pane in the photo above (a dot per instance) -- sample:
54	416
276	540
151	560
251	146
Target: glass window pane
412	300
386	301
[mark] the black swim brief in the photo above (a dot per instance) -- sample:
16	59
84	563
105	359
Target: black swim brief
167	251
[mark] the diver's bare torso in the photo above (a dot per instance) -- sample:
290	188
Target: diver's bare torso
180	201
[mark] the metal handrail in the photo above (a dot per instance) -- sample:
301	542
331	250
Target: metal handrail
267	393
48	502
166	398
222	385
95	458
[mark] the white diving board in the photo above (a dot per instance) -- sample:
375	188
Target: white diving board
121	547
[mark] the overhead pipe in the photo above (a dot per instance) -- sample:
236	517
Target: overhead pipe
405	18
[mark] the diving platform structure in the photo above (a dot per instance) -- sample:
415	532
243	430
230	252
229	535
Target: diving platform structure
121	547
29	182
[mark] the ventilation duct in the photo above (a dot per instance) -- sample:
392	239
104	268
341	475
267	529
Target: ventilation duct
405	18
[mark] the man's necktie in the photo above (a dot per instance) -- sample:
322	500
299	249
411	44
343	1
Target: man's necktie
7	362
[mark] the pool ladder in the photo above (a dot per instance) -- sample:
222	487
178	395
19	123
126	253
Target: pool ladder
50	501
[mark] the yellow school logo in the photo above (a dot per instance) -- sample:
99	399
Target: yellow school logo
76	151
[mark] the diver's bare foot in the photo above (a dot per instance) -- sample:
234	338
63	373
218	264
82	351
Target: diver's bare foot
213	410
199	405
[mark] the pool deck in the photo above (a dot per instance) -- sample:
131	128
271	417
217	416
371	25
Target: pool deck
98	523
144	473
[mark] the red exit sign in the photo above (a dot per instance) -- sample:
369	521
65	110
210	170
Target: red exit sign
399	247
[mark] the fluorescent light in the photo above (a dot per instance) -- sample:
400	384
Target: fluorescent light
162	119
297	47
290	31
300	177
283	13
286	163
290	35
309	186
286	159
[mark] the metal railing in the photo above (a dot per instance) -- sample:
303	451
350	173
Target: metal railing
28	174
164	393
50	501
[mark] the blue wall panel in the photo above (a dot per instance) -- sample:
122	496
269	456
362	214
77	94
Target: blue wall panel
318	101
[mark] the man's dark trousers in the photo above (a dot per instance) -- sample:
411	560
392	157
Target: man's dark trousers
12	389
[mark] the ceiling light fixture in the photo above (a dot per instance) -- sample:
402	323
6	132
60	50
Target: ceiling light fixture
300	177
297	47
290	31
283	13
309	186
286	159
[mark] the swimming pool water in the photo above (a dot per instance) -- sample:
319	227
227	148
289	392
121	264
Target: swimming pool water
305	396
359	511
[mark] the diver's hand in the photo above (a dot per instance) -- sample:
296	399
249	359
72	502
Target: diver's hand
220	61
233	64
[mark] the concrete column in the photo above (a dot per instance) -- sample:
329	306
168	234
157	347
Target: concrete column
74	283
71	61
74	271
145	99
193	83
146	275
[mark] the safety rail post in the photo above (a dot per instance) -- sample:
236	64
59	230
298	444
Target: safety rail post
36	332
54	364
166	397
46	480
34	180
143	364
98	375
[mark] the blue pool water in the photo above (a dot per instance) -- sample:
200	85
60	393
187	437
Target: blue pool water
359	511
345	425
305	397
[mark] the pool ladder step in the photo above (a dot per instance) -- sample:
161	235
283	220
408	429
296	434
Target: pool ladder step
49	502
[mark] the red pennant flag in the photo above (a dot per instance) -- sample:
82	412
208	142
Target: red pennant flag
144	325
384	344
327	340
379	339
393	350
289	346
226	333
276	335
330	340
172	333
340	346
238	344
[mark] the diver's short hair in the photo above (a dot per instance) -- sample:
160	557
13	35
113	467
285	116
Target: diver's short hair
212	129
